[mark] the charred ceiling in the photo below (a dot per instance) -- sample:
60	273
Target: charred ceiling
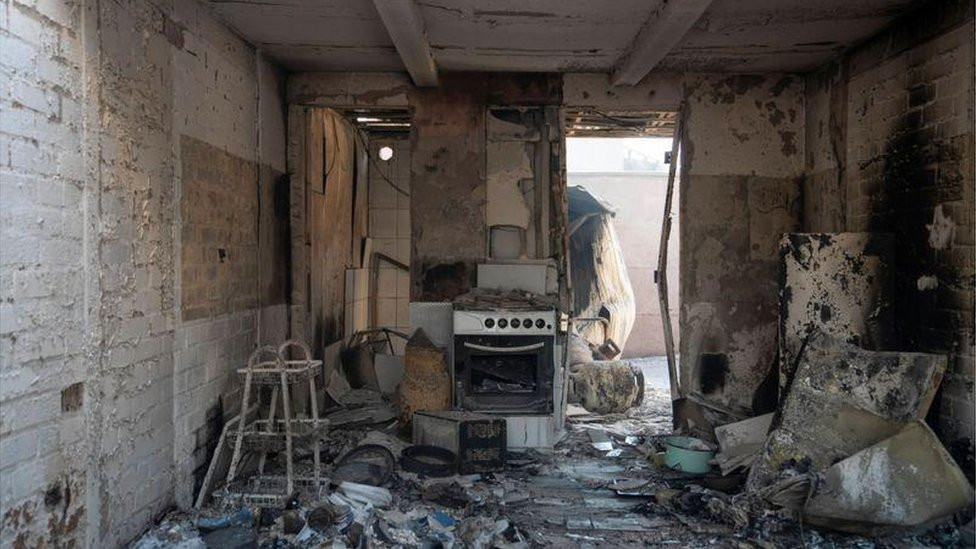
556	36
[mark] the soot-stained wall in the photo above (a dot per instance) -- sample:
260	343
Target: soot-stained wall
448	186
447	151
448	175
742	167
890	149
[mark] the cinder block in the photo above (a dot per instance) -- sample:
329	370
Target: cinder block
16	54
17	448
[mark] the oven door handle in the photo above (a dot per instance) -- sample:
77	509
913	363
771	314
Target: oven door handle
487	349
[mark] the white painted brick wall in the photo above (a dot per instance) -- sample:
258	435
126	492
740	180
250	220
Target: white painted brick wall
40	321
105	228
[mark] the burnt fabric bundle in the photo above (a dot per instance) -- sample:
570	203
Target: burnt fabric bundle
426	383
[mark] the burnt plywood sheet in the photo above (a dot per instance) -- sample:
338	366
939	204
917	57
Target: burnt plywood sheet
842	400
839	284
329	195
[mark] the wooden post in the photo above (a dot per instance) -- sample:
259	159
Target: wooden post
662	262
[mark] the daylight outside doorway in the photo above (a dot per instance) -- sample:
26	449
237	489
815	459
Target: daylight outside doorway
629	175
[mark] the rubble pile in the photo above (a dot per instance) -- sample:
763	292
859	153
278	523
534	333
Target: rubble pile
605	484
841	458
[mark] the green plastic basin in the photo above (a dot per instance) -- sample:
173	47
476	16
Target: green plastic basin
683	454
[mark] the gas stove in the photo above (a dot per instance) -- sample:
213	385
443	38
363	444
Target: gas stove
516	323
509	363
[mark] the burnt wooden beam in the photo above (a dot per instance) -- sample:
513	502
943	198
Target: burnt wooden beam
406	28
662	32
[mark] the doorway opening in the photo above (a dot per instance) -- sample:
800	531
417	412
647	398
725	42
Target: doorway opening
357	171
618	166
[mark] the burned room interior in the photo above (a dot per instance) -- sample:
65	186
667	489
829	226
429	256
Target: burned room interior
296	273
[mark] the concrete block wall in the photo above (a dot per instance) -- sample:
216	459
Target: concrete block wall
891	126
742	167
95	97
43	266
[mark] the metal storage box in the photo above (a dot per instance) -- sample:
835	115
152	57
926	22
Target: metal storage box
479	440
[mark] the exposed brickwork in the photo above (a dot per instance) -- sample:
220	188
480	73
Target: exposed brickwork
219	206
910	151
95	95
890	148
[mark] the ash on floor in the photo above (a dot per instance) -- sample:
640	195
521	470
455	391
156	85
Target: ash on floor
603	486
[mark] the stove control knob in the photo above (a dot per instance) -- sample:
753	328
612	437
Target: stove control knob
489	323
540	324
502	323
515	323
527	324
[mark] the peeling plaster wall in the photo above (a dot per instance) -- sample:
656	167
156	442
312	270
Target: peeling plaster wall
890	149
96	97
44	349
449	180
740	191
448	155
448	189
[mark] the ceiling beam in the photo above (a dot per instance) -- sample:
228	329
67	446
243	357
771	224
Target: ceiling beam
662	32
405	26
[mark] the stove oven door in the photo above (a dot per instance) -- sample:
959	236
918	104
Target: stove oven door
504	373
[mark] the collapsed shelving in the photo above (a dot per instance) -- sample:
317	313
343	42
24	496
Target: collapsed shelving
251	434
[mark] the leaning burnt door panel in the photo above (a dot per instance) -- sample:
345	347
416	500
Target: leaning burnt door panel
329	177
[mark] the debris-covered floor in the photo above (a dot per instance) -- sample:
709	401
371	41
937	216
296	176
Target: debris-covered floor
603	486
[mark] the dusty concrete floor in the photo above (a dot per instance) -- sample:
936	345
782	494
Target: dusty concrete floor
655	370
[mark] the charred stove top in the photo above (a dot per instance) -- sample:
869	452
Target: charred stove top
505	323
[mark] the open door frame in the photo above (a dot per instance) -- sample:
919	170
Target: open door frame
661	274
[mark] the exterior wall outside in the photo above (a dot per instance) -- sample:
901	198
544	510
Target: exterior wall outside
891	149
639	202
94	357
